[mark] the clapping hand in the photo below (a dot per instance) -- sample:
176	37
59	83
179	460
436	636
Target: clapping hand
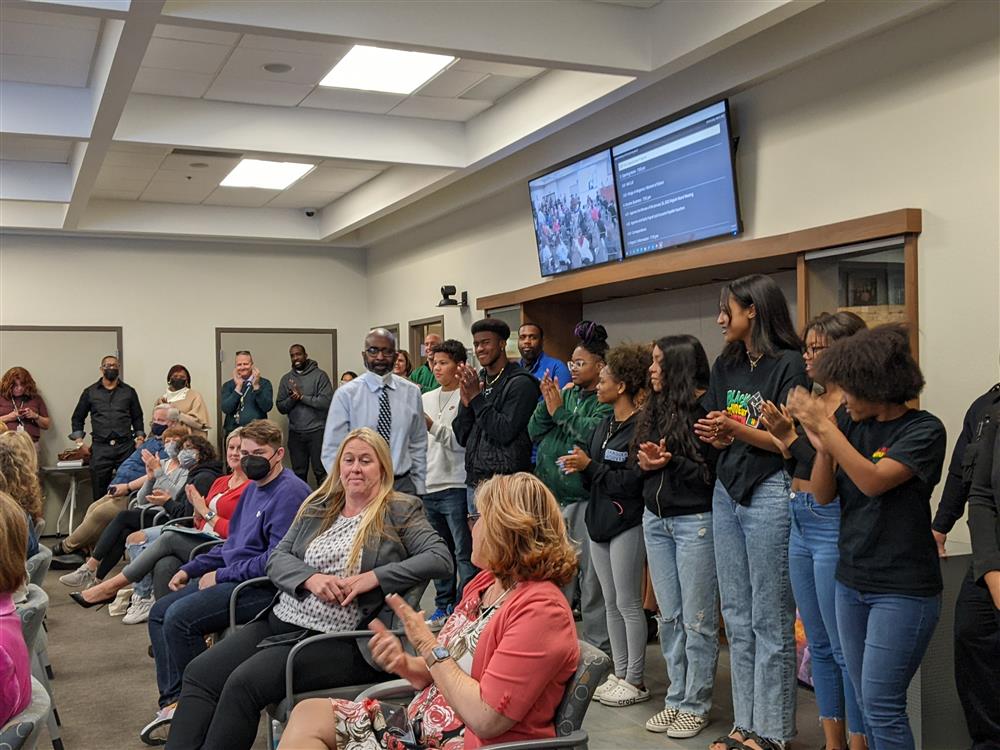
386	648
653	456
417	632
196	499
811	413
151	460
469	384
158	497
716	428
574	461
552	393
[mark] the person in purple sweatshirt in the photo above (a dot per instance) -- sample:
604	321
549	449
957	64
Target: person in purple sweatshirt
199	604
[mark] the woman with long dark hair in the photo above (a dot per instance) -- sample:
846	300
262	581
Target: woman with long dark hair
882	459
812	547
678	476
762	361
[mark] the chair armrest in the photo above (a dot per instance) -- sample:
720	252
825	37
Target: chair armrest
234	597
204	547
183	520
575	739
390	689
343	635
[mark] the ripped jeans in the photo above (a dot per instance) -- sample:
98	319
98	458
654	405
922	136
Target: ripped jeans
681	556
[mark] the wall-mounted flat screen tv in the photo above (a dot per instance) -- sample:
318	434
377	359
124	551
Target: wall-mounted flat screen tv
676	182
575	213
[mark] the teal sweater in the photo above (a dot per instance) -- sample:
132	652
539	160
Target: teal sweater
556	434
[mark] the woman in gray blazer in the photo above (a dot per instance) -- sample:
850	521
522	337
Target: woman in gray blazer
353	542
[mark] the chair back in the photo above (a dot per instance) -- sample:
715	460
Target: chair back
32	612
593	666
22	730
38	565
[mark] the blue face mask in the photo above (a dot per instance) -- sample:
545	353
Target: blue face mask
171	448
158	429
187	458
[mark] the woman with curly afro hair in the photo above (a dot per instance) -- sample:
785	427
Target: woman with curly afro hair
612	476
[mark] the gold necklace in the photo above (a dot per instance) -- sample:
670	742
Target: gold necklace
491	382
754	362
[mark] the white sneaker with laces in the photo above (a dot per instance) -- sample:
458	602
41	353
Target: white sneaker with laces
686	725
123	600
156	731
81	578
624	694
661	722
605	686
138	610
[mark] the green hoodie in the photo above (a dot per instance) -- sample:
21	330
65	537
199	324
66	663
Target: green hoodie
573	423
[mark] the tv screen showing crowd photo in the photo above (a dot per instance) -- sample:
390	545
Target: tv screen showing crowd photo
576	216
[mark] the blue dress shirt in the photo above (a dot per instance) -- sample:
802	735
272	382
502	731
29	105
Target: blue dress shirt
556	367
355	404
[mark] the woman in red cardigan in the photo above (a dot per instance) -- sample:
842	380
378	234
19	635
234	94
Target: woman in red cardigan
498	669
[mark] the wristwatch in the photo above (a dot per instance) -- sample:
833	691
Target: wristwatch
210	515
437	655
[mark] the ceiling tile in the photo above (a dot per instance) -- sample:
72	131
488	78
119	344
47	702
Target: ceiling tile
194	57
61	42
176	180
111	172
172	82
49	19
234	196
329	50
493	88
352	101
117	184
138	148
433	108
295	198
496	68
354	164
26	148
44	70
248	64
145	160
182	163
177	192
258	92
451	83
117	195
335	180
192	34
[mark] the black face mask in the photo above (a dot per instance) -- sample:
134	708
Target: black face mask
111	374
158	429
255	467
178	383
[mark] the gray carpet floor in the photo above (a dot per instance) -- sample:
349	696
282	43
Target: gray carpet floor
105	689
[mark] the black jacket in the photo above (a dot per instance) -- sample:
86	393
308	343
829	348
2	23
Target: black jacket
493	428
984	502
201	476
684	486
614	480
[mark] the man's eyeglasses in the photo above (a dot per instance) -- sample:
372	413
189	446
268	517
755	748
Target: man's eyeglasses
374	351
812	351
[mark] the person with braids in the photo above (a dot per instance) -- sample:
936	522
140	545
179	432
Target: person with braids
568	415
762	361
613	516
678	474
882	458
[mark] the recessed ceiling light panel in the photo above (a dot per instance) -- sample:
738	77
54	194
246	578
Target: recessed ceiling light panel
270	175
389	70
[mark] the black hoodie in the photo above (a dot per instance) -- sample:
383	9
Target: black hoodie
614	480
201	475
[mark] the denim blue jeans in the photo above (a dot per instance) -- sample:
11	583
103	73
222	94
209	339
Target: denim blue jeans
447	513
751	558
144	586
884	637
812	563
179	623
681	557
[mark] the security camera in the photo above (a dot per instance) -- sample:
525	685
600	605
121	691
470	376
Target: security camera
309	212
447	292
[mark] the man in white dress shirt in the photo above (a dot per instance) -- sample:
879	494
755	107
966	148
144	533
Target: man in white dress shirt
388	404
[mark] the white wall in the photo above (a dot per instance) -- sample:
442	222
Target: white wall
905	118
170	296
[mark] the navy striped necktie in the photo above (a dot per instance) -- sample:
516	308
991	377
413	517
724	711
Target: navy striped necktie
384	427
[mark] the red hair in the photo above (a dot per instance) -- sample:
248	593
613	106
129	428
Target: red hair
15	374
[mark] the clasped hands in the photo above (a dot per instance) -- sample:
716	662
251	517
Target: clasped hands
337	590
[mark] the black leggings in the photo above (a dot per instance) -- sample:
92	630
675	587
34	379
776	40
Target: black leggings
226	687
110	548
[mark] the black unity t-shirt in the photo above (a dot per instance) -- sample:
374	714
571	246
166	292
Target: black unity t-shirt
740	391
886	545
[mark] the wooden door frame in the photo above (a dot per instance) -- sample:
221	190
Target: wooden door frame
409	333
220	417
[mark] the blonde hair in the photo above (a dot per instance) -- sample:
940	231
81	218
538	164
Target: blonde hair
523	535
13	544
328	501
19	471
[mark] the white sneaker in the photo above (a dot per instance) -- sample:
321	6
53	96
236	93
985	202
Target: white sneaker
687	725
661	722
121	603
156	731
605	686
624	694
138	610
81	578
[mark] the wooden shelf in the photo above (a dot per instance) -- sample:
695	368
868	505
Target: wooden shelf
704	263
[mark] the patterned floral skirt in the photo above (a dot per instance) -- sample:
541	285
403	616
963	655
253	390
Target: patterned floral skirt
362	725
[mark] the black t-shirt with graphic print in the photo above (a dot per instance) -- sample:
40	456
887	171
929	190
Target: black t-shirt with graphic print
740	391
886	546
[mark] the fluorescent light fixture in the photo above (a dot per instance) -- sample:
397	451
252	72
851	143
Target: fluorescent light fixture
389	70
270	175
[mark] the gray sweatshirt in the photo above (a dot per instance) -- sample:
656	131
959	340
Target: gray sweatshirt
308	414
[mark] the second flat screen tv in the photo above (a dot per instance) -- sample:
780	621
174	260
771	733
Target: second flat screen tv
676	183
576	215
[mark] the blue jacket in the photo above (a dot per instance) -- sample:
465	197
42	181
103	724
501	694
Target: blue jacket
556	367
260	521
132	467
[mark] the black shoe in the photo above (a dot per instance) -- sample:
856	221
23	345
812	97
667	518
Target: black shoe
69	561
77	597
